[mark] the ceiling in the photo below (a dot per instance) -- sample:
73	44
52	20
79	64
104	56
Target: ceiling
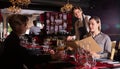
52	5
55	5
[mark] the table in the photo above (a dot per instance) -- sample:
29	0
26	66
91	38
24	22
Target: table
37	49
57	64
101	65
67	65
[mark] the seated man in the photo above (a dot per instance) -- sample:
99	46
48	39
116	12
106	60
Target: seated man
34	30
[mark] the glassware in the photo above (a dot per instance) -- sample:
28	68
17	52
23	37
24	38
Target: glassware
85	59
93	64
88	57
45	49
23	40
34	42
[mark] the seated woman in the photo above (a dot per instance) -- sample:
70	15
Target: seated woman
102	39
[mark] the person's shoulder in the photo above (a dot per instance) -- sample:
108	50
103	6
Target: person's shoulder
105	35
87	16
37	27
11	39
77	21
31	27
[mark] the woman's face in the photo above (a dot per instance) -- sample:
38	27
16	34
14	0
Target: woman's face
93	25
77	13
21	29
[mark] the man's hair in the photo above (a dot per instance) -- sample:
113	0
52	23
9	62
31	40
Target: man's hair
76	7
17	19
35	23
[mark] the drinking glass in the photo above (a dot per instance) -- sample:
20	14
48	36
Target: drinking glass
87	64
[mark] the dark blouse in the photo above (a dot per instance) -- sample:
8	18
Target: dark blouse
14	54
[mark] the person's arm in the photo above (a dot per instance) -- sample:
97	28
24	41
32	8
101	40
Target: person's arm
107	46
107	49
77	30
74	37
71	38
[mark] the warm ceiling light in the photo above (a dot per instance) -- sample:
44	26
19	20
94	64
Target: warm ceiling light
20	2
14	9
67	7
17	5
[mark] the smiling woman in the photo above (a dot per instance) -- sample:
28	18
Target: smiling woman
102	39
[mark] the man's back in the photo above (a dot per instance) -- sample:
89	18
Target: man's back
35	30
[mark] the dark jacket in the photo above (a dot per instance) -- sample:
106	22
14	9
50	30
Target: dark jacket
81	27
14	55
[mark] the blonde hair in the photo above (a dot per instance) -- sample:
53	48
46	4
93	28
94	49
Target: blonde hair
16	20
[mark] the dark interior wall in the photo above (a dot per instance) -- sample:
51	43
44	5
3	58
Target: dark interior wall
109	12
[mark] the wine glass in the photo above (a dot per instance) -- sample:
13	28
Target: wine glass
34	42
87	64
93	64
23	40
45	49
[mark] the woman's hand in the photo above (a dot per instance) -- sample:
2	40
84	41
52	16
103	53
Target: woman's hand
52	52
69	38
95	55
